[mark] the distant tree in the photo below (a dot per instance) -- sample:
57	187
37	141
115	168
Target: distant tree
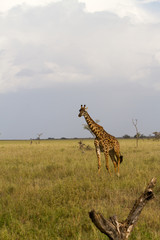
86	127
156	135
137	136
142	136
39	137
126	136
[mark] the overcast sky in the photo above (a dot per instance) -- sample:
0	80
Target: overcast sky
57	55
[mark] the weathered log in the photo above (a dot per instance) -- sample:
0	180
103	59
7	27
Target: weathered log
121	230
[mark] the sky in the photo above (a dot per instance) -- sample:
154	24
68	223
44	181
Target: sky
58	54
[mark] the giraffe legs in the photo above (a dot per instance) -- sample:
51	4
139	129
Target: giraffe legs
118	163
96	143
112	156
106	154
118	157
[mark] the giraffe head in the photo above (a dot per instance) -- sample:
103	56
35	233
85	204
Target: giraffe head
82	110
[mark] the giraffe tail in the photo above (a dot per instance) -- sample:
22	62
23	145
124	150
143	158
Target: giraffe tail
121	158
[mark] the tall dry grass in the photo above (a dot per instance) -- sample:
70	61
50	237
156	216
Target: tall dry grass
47	189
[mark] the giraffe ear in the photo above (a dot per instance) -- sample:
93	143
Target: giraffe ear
86	108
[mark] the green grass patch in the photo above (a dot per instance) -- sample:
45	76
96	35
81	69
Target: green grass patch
48	188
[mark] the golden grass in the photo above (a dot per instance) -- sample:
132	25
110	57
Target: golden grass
47	189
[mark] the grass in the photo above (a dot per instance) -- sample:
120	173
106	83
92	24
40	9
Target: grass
47	189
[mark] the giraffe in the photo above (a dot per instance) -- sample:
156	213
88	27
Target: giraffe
104	142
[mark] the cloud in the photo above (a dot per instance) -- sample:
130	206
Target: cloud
131	8
8	4
41	46
150	1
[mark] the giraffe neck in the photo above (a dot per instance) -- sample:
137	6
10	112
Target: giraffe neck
94	127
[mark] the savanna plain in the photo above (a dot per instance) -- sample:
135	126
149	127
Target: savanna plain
47	189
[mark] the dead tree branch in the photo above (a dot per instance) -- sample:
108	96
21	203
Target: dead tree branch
137	132
121	230
83	146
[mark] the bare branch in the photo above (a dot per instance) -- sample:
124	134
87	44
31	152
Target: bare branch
135	121
121	230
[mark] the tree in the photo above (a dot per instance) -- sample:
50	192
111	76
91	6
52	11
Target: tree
126	136
116	230
39	136
156	135
134	121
